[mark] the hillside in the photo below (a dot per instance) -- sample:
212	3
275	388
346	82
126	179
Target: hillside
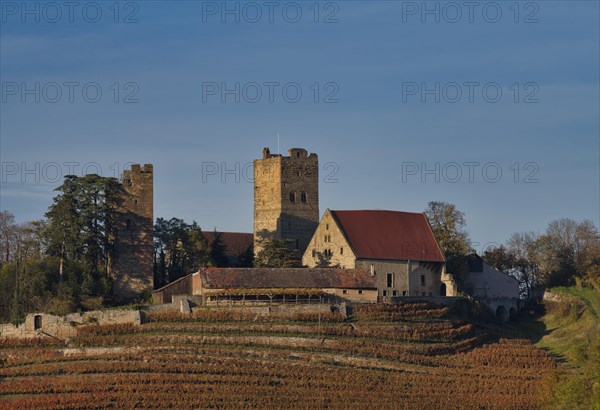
570	329
571	323
411	355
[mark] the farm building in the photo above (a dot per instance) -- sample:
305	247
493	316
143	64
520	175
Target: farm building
273	285
398	249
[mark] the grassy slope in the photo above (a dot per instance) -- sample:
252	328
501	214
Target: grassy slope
571	325
569	329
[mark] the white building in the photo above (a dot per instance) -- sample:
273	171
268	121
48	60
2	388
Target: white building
483	280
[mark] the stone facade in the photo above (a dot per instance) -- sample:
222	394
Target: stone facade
286	198
329	246
393	278
132	264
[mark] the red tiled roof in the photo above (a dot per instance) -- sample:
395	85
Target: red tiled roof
253	278
235	243
389	235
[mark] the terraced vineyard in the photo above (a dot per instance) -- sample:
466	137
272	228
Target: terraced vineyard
401	356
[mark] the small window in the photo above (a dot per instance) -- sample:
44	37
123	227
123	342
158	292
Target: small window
390	280
344	291
360	291
292	196
325	238
327	226
341	250
422	280
303	197
314	253
385	293
394	293
403	293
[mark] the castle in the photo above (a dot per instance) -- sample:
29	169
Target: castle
397	248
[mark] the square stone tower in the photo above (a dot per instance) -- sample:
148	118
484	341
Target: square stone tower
286	198
132	264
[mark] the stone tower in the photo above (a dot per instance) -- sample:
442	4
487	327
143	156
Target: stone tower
286	198
133	259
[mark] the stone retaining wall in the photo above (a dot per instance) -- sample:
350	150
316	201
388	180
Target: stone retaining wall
62	327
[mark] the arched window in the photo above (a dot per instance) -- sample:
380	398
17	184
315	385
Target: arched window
292	196
303	196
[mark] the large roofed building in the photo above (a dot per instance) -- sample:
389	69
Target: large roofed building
397	248
273	284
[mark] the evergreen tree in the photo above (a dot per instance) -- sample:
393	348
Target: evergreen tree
276	253
217	251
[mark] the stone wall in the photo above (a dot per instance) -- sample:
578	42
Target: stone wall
401	286
62	327
354	295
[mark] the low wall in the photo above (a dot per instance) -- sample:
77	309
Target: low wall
438	300
556	297
62	327
260	308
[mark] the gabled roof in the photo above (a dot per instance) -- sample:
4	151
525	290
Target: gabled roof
236	243
389	235
256	278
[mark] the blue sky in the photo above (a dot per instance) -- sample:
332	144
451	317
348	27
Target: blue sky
374	129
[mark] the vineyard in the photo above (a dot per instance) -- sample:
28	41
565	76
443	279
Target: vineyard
394	356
